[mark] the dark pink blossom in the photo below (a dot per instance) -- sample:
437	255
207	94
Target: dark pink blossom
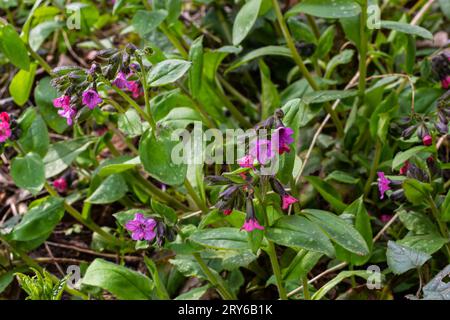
383	184
404	168
4	117
141	228
227	212
385	218
5	131
288	200
60	185
427	140
284	137
68	113
246	161
135	88
91	99
445	83
251	224
121	81
62	102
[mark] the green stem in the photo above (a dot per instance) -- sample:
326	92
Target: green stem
306	294
373	169
146	98
234	111
200	204
362	51
301	65
276	270
40	60
215	281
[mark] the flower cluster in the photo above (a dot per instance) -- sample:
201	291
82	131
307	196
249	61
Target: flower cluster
260	152
79	86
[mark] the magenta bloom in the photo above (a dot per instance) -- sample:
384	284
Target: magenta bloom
68	113
4	117
251	224
141	228
385	218
61	102
91	98
227	212
121	81
135	89
404	168
262	151
427	140
284	137
5	131
383	184
288	200
60	185
445	82
246	161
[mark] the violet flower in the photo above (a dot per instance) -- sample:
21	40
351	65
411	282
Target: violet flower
284	137
62	102
68	113
121	81
262	151
91	99
246	161
141	228
383	184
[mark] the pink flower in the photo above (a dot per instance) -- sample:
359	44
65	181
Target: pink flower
60	185
227	212
427	140
68	113
61	102
288	200
5	131
284	137
91	99
385	218
4	117
246	161
141	228
135	89
251	224
445	82
121	81
383	184
404	168
262	151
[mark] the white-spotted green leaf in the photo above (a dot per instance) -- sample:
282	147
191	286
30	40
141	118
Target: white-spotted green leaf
401	258
245	20
167	71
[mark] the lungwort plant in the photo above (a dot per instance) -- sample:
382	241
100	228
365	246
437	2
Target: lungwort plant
224	149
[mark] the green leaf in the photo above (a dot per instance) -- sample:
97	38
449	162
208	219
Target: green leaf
445	208
401	258
428	243
260	52
407	28
415	191
445	7
21	84
156	157
131	124
113	188
297	231
339	230
122	166
328	95
159	285
14	48
269	97
39	221
326	8
35	135
193	294
327	192
401	157
164	211
245	20
122	282
325	42
342	177
221	238
196	71
145	22
180	118
60	155
28	172
342	58
167	71
417	222
41	32
332	283
362	225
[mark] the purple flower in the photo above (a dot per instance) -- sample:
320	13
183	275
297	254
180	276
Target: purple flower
60	185
91	98
284	137
135	88
68	113
121	81
383	184
141	228
385	218
445	82
251	224
262	151
61	102
5	131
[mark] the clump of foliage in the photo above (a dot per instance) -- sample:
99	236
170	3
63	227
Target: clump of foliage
352	99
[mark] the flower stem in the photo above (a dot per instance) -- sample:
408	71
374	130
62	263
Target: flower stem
276	269
373	169
200	204
306	294
362	50
215	281
301	65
